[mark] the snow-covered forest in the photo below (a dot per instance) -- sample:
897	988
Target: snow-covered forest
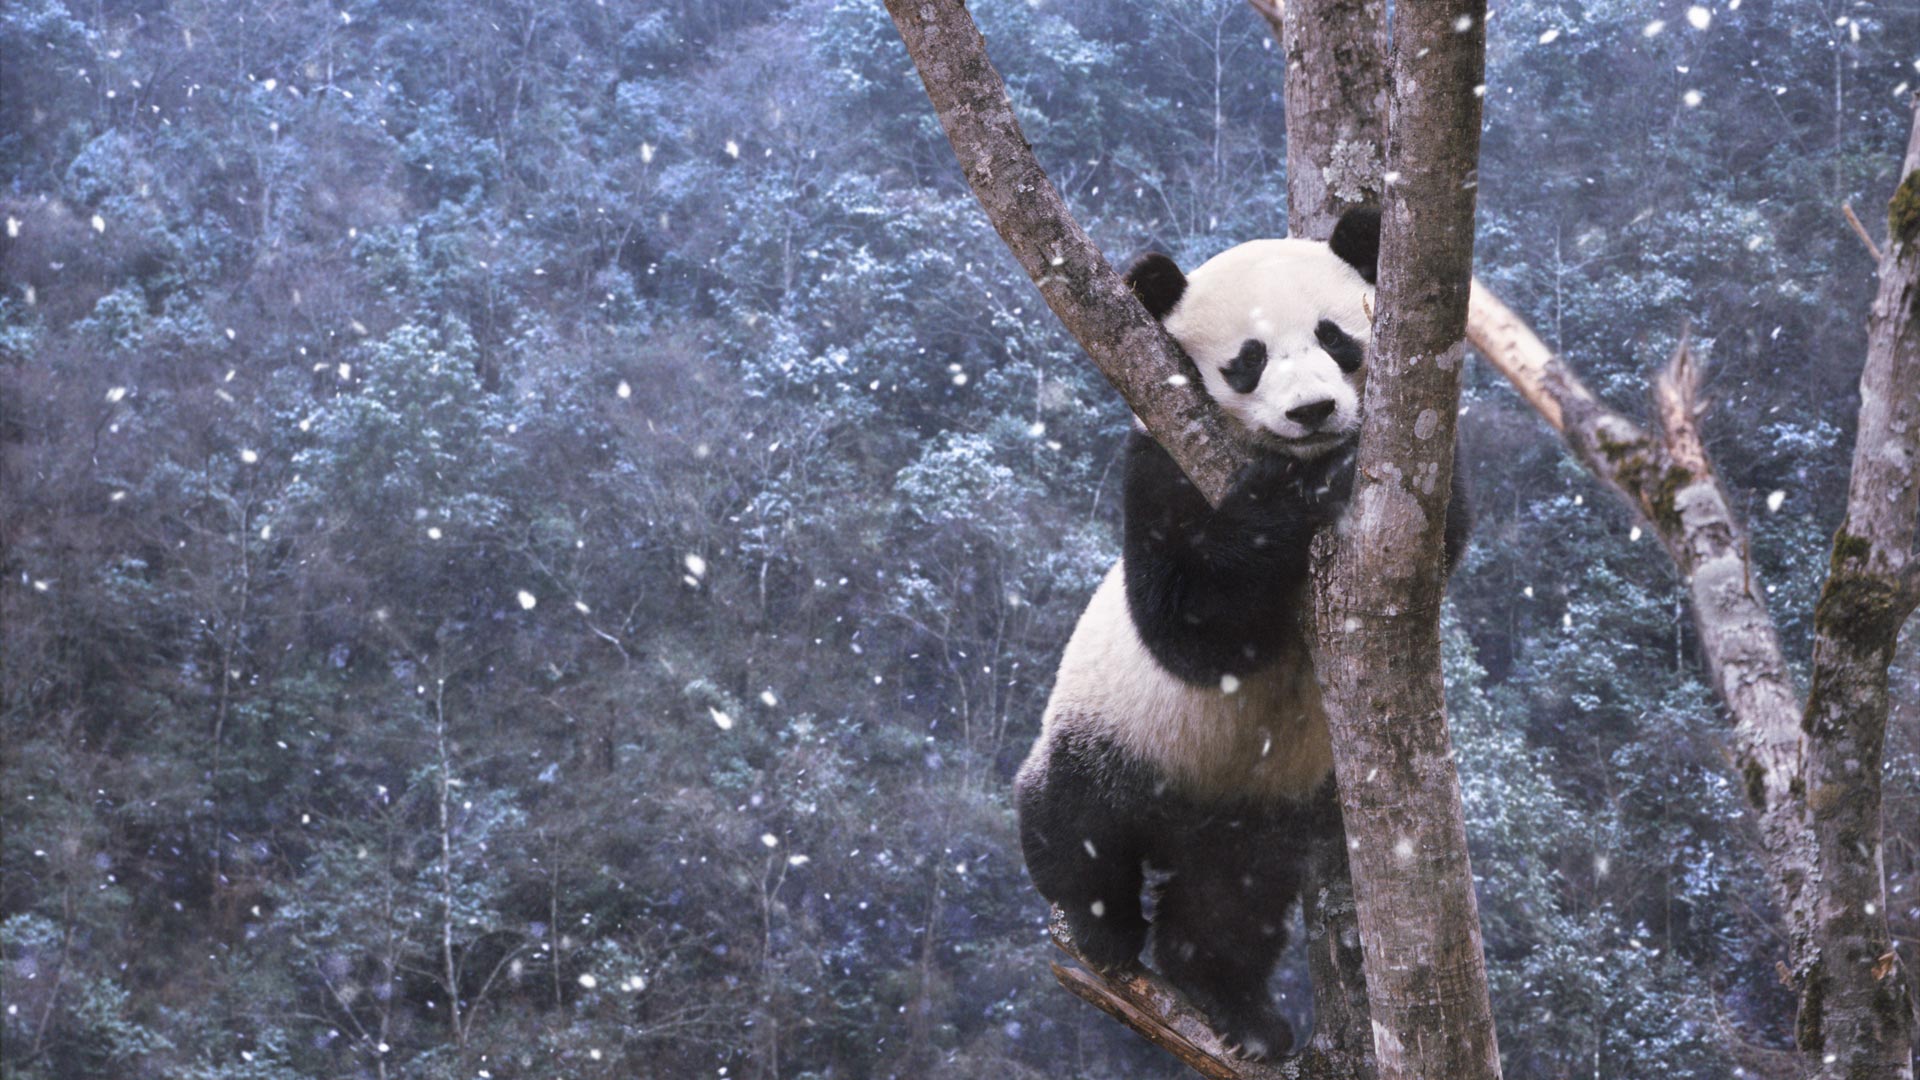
536	535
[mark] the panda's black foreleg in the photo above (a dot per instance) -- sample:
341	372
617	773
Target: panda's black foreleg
1220	922
1081	828
1217	591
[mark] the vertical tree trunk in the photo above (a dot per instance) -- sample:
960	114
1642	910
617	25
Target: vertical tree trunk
1336	111
1336	104
1856	1005
443	799
1379	581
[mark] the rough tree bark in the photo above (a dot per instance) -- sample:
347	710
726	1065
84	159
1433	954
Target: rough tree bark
1336	112
1812	773
1379	577
1336	99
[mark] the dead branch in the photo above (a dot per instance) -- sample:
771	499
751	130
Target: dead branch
1275	13
1670	481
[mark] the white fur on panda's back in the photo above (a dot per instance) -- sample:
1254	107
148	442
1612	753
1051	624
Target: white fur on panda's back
1267	739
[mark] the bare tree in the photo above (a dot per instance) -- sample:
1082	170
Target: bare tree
1812	768
1856	1011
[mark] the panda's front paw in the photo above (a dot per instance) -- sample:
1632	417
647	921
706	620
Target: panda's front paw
1267	477
1324	485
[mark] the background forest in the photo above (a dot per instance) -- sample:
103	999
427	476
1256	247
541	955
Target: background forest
536	535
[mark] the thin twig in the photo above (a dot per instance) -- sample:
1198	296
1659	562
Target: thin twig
1860	230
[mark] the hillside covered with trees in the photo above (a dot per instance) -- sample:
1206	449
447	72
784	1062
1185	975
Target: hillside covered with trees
536	536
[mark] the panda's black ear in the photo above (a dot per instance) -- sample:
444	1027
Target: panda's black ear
1156	281
1356	239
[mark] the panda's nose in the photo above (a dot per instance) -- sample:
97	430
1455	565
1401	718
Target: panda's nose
1312	414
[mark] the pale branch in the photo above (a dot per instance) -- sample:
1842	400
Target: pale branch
1670	481
1128	346
1379	578
1860	230
1275	13
1144	1002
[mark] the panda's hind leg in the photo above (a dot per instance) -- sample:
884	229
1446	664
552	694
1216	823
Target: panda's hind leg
1220	921
1082	821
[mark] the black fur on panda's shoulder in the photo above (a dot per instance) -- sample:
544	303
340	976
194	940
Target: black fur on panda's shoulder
1215	591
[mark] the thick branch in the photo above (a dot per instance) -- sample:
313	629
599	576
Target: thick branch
1124	342
1674	488
1378	585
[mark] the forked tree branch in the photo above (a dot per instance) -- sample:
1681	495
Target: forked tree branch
1667	476
1146	366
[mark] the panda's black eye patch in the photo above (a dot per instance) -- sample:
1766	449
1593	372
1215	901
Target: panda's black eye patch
1243	374
1340	345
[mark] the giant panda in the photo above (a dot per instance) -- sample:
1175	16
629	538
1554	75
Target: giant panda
1185	734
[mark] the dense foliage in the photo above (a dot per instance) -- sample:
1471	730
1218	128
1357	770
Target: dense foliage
535	535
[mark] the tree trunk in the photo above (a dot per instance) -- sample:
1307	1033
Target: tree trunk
1856	1006
1336	108
1379	578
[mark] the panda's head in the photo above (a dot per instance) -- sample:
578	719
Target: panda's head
1278	329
